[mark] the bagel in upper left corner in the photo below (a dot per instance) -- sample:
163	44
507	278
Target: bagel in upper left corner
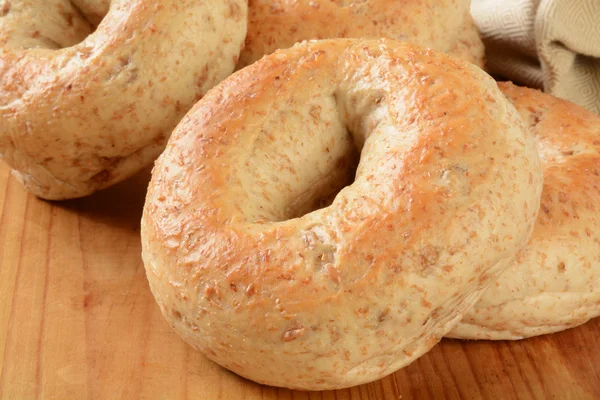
84	107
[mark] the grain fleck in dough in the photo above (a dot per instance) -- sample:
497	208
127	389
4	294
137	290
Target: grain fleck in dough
443	25
446	192
84	107
555	284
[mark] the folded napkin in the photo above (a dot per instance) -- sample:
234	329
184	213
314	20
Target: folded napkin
548	44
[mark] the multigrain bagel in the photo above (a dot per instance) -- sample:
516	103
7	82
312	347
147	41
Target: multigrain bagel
555	284
443	25
82	110
246	269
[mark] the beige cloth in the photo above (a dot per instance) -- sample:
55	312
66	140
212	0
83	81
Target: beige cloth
549	44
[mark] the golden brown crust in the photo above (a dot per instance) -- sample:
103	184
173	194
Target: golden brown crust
83	112
555	284
443	25
351	292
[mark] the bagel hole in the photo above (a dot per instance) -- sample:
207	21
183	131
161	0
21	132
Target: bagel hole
323	195
286	177
62	24
92	11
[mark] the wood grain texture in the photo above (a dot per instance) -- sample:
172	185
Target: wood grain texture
77	321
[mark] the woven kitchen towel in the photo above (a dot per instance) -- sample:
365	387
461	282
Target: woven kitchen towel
549	44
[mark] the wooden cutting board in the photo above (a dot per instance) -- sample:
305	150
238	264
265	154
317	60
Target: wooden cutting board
77	321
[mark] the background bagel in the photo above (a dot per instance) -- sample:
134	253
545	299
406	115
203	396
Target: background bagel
555	284
446	191
443	25
79	112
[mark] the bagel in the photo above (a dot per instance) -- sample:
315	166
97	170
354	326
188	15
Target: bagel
248	269
443	25
555	283
84	109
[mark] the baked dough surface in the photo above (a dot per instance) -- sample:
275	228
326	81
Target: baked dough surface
247	268
555	284
443	25
83	108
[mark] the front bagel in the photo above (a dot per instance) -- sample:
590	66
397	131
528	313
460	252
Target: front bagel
248	270
80	110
